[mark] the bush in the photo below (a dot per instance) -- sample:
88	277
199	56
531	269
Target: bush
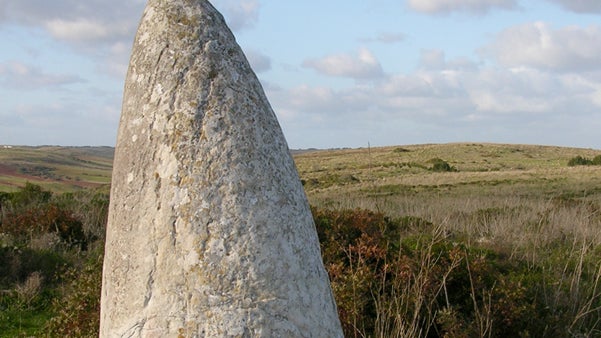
579	160
29	195
407	278
353	244
16	265
28	279
31	213
43	273
90	207
39	220
597	160
78	308
439	165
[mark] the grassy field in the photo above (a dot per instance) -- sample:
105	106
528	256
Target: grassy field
522	205
495	195
395	179
514	183
372	173
439	240
58	169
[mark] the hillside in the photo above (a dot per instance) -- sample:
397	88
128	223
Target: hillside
73	168
55	168
341	175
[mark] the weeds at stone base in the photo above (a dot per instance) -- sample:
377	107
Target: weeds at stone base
45	247
391	281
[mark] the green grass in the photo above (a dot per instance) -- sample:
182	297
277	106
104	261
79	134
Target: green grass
538	219
481	168
59	169
23	323
72	168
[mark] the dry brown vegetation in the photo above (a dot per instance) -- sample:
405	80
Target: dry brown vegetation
518	216
513	183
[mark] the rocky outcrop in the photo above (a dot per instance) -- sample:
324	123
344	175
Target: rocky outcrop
209	232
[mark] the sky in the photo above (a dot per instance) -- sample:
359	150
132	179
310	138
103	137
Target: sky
337	73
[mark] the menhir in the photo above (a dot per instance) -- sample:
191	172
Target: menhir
209	232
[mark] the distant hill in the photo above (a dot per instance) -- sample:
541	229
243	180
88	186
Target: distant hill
72	168
55	168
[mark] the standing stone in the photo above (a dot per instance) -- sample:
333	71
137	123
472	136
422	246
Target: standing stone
209	232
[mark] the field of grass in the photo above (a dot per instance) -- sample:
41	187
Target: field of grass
374	172
522	204
388	178
58	169
509	195
504	241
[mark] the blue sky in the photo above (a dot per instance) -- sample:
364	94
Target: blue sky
337	73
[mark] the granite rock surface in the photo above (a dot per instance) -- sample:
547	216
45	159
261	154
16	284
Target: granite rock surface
210	233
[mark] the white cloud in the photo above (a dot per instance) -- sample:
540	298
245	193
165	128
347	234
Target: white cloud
62	123
418	96
448	6
435	59
540	46
101	28
85	116
239	14
96	28
91	20
17	75
580	6
596	97
82	29
118	60
454	100
258	61
387	37
363	65
432	59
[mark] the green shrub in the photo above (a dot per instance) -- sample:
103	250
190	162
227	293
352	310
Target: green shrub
43	273
28	279
439	165
35	221
78	307
32	212
17	264
579	160
30	194
597	160
406	278
353	244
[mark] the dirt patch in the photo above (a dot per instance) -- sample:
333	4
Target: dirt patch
6	170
